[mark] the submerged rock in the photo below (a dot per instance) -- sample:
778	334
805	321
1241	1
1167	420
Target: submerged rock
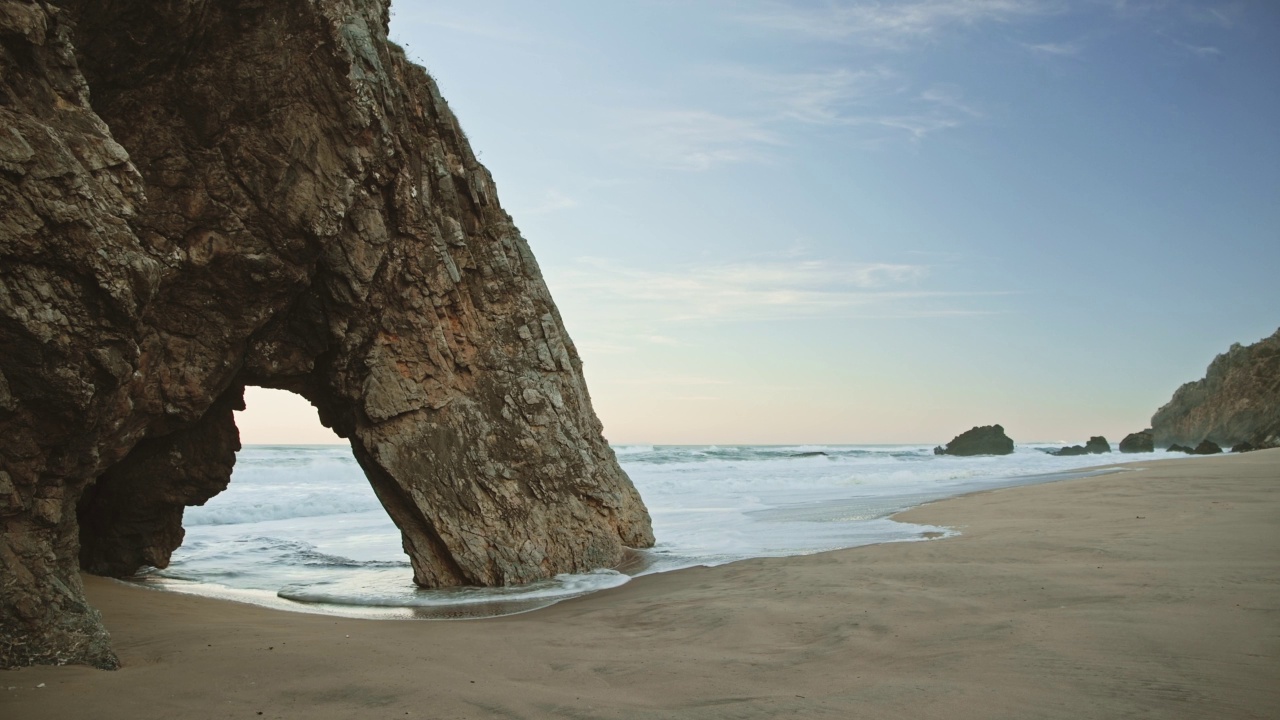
265	194
1069	450
1238	400
985	440
1139	442
1180	448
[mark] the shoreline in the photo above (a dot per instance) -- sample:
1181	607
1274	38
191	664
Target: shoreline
1151	593
640	563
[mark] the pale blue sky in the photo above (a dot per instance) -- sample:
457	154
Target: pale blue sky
880	222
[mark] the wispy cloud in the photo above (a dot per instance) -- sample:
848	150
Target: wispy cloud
1055	49
487	26
1222	15
696	139
756	291
603	347
889	24
822	97
1204	51
677	380
553	200
771	106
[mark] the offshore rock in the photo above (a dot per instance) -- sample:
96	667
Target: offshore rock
985	440
1139	442
1206	447
1237	401
199	196
1181	448
1096	446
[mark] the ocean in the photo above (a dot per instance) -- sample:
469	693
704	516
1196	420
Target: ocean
300	529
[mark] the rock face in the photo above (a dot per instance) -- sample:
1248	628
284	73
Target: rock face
1237	401
199	196
985	440
1139	442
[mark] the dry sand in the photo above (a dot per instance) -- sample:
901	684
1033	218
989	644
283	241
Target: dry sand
1152	593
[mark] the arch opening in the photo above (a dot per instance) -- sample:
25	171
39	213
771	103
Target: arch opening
295	521
299	520
296	516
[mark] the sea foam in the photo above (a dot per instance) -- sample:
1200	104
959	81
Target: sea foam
300	524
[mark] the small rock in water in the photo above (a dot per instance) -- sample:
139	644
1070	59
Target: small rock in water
985	440
1138	442
1096	446
1206	447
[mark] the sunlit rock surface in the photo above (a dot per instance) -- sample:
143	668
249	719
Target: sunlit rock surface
1238	401
197	196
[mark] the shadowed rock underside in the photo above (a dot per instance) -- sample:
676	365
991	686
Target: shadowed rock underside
196	196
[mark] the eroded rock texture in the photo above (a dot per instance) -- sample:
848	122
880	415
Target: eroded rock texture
1237	401
198	195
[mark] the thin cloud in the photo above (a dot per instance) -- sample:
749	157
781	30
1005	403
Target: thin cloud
1054	49
674	380
823	97
697	139
876	99
602	347
553	200
473	24
890	24
756	291
1204	51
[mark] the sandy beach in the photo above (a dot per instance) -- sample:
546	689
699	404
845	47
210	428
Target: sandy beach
1151	593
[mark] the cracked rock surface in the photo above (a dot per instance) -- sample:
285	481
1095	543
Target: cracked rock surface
196	196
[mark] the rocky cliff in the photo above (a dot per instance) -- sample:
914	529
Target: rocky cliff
1237	401
196	196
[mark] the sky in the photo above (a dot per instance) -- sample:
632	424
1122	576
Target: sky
771	221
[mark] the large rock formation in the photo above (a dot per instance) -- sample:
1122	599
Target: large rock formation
197	196
984	440
1237	401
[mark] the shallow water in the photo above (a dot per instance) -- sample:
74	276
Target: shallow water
300	529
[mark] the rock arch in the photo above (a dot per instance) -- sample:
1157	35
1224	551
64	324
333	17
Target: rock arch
199	196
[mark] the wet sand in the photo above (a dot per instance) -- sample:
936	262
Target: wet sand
1152	593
